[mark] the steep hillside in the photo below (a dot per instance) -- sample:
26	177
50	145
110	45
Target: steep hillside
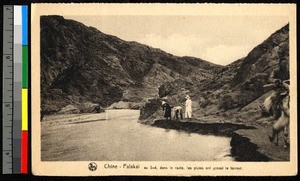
236	90
264	57
82	66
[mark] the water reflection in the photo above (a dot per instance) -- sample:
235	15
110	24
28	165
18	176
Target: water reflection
144	142
116	135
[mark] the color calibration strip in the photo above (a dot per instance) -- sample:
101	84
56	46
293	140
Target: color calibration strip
24	136
15	74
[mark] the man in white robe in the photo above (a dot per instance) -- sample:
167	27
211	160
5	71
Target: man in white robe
188	107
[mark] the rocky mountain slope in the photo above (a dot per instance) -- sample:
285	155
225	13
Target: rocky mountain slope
84	70
236	90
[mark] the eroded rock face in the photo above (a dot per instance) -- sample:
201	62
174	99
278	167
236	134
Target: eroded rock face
235	86
86	65
81	64
265	57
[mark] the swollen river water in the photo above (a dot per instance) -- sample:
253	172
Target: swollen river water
116	135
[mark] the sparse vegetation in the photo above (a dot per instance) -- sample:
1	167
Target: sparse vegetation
205	103
80	64
227	102
90	66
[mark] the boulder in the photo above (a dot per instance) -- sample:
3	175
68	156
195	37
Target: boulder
149	109
89	107
120	105
137	105
69	109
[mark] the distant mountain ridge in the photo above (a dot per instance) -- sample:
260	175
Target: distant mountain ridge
236	91
80	64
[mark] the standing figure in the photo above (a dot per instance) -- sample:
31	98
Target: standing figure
167	110
188	107
178	111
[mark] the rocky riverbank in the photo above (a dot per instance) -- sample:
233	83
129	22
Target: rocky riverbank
249	143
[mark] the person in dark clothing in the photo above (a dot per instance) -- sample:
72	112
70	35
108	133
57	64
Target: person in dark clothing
167	110
178	111
279	77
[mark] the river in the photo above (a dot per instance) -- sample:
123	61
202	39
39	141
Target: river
116	135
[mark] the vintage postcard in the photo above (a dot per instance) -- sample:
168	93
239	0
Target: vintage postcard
164	89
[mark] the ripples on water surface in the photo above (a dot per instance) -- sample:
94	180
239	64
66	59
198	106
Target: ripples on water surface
116	135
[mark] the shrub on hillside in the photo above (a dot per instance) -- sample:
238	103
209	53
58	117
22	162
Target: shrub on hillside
227	102
205	103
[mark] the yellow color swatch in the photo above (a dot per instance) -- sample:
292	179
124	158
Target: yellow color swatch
24	110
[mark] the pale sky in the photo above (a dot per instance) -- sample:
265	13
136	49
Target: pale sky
218	39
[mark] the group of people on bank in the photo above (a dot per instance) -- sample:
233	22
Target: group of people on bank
178	110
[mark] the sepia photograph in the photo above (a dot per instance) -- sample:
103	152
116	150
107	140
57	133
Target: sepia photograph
124	92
